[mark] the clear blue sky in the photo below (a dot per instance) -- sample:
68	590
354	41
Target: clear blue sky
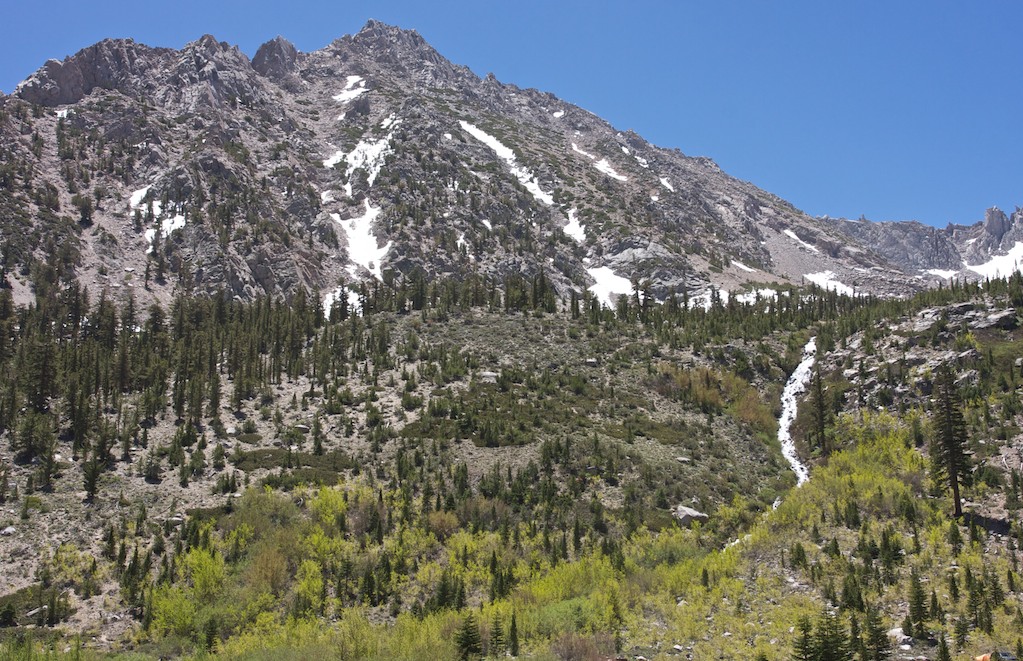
894	110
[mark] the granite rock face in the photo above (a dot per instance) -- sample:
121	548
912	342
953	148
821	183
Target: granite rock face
375	160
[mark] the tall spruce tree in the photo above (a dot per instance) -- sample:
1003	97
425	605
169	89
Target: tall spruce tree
948	446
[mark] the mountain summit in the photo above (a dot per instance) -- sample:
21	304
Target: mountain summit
377	159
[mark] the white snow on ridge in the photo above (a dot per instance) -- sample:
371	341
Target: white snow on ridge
606	168
947	275
1000	266
362	245
826	279
587	154
667	184
608	284
742	266
525	177
558	114
642	161
574	228
350	91
792	235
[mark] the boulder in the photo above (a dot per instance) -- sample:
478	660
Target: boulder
686	515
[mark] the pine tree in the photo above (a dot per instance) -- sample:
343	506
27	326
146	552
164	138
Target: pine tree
497	642
832	639
513	637
805	648
943	652
917	606
470	646
875	638
948	447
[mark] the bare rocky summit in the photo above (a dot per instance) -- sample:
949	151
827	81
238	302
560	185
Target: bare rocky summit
374	159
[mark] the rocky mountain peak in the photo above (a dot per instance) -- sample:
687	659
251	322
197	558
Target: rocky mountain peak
112	64
277	58
995	222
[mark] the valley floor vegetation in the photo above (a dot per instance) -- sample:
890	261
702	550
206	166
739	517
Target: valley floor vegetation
476	470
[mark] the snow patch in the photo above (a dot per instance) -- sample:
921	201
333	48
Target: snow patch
558	114
167	225
742	266
1000	265
608	284
524	176
606	168
351	92
654	198
947	275
326	196
792	235
750	297
642	161
389	121
135	201
368	155
574	228
362	245
587	154
667	184
795	386
826	279
61	114
624	150
447	136
487	224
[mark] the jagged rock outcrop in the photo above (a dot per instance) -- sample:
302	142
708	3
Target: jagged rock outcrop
375	158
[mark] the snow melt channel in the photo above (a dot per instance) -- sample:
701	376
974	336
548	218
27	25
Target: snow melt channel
362	245
525	177
795	386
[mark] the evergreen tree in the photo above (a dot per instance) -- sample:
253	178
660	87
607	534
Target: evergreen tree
832	639
948	447
470	646
917	606
805	647
513	637
875	638
943	652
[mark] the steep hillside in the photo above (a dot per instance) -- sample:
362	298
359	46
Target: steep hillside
374	158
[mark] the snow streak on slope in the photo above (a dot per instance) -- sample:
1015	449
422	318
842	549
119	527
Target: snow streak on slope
606	168
369	155
350	91
574	228
667	184
587	154
826	279
792	235
362	245
608	284
524	176
795	386
742	266
1000	265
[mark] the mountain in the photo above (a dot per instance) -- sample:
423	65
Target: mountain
375	158
484	461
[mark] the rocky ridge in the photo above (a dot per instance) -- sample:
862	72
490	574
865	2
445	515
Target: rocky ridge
375	158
